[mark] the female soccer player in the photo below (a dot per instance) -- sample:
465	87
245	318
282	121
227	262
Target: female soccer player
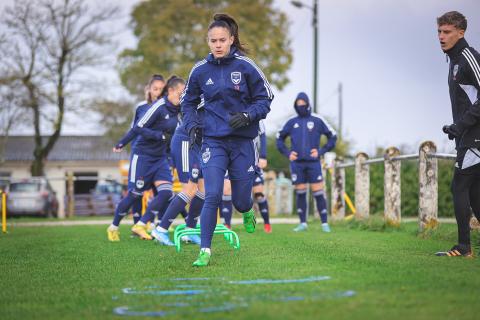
152	92
237	95
149	165
258	194
186	160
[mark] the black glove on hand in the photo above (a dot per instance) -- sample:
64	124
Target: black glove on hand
195	136
452	131
238	120
119	146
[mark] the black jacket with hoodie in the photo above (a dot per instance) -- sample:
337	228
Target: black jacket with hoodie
464	87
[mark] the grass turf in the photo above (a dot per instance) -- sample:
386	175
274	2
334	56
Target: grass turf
75	273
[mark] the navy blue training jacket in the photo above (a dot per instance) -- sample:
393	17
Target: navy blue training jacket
305	131
160	118
229	85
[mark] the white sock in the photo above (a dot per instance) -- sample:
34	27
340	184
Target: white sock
207	250
113	227
325	224
160	229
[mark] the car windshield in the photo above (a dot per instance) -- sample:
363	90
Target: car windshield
24	187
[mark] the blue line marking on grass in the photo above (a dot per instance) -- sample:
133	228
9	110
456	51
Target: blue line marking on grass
278	281
224	307
124	311
190	279
164	292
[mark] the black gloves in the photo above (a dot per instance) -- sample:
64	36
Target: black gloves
238	120
195	136
119	146
453	131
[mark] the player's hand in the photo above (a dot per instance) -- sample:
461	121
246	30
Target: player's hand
262	163
118	147
195	137
314	153
452	131
238	120
293	156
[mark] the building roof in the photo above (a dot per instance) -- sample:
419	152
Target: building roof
67	148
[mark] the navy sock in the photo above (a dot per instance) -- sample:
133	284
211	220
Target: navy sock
321	204
302	205
184	213
159	203
263	207
123	206
226	209
195	208
137	210
176	205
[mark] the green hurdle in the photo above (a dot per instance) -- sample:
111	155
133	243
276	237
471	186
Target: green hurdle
230	236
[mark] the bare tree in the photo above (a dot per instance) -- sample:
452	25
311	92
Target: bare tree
49	45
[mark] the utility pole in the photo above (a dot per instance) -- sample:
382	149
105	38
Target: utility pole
314	9
340	110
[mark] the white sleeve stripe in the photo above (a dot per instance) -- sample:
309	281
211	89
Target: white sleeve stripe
473	64
329	127
150	112
265	81
198	64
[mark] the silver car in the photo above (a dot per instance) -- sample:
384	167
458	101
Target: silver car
31	197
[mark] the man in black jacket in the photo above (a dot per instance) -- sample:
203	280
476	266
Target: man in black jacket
464	87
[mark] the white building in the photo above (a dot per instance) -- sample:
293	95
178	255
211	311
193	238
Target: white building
90	156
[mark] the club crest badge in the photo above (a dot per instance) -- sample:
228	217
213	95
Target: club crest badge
206	155
310	125
195	173
294	177
236	77
139	184
455	70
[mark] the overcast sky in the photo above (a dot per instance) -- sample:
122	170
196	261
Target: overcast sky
386	54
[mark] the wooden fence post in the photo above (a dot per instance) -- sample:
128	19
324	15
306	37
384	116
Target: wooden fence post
392	188
70	194
428	186
338	188
362	186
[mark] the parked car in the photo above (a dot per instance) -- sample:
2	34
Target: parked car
31	197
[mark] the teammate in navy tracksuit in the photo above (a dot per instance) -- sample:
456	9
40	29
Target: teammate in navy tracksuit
149	165
305	131
152	92
237	95
258	194
186	160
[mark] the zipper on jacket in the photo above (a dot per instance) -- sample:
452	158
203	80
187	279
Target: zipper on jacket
304	127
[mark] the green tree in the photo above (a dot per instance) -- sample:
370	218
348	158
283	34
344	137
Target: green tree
172	37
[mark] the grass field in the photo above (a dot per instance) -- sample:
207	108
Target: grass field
355	272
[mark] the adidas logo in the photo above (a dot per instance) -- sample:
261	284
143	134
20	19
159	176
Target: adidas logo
167	117
209	82
295	126
250	169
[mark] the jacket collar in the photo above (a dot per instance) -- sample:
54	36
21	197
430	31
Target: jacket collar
225	60
457	49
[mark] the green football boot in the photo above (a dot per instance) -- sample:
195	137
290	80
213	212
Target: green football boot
203	259
249	221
